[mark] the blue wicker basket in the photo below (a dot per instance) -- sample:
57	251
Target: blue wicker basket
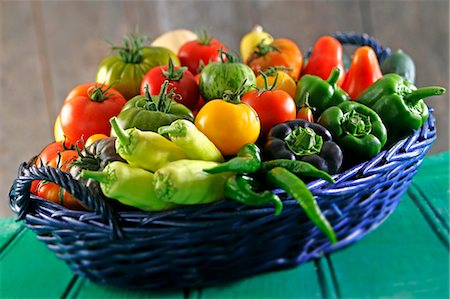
212	244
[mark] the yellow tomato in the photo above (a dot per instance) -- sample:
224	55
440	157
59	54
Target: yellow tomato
228	125
58	131
284	82
94	138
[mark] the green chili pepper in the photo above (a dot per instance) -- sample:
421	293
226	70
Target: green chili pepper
399	104
356	128
299	168
247	160
322	93
185	182
239	188
148	113
130	185
145	149
297	189
194	143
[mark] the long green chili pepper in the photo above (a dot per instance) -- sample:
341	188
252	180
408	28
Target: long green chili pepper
239	188
247	160
145	149
299	168
130	185
297	189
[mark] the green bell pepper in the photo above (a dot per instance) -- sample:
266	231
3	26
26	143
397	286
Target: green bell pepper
399	104
356	128
322	93
148	113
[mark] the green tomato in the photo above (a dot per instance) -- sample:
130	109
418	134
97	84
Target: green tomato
217	77
127	69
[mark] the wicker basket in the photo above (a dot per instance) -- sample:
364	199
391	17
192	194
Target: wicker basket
211	244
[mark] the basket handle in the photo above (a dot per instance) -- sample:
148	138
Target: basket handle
20	195
350	38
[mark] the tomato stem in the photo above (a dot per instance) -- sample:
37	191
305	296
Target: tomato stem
203	37
131	51
234	97
172	73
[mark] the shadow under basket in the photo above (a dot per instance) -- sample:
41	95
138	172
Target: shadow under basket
199	246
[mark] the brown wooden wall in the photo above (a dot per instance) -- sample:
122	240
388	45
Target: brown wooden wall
48	47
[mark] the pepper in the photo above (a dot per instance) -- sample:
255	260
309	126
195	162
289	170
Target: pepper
299	168
322	93
356	128
399	104
325	56
297	189
129	185
363	72
247	160
194	143
240	188
184	182
145	149
148	113
304	141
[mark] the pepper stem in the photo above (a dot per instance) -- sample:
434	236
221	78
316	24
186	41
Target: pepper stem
415	96
175	129
356	124
99	176
304	141
122	135
334	76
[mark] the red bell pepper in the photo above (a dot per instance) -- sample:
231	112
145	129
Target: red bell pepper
326	55
363	72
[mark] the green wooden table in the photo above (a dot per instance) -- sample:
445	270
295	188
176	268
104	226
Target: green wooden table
406	257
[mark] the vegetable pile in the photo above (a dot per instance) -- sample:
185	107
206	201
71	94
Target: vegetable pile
185	122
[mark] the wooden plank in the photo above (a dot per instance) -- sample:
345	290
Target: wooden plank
10	230
24	124
403	258
86	289
431	181
300	282
421	29
28	269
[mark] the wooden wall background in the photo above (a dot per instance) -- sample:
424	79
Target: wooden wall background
48	47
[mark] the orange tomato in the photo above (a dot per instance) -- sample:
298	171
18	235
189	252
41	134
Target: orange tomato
284	82
228	125
281	52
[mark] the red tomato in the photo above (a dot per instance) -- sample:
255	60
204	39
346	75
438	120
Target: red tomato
203	49
306	114
63	159
272	106
51	151
88	111
56	194
183	82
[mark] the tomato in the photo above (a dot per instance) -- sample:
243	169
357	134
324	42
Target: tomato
284	82
50	152
306	114
198	53
228	125
179	78
281	52
133	61
88	112
273	107
94	138
217	77
54	193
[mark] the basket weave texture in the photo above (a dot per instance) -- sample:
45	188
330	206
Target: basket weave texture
212	244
